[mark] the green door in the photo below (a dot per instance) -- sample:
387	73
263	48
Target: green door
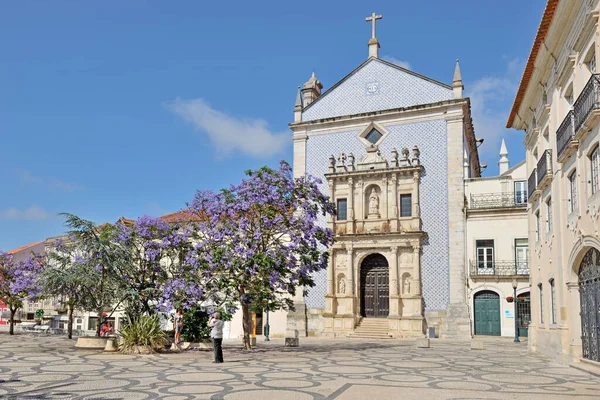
487	313
523	313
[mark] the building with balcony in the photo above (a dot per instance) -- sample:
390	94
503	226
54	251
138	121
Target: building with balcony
557	105
498	250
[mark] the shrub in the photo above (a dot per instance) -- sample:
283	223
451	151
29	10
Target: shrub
195	323
142	331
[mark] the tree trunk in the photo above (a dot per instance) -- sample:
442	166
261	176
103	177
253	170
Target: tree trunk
246	326
99	324
70	324
11	329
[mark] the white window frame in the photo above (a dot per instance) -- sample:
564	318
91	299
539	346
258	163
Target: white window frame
521	192
541	291
573	197
549	223
553	301
486	264
522	255
594	169
537	226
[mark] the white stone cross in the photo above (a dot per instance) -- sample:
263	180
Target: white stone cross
373	19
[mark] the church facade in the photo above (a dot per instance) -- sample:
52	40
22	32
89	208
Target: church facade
393	149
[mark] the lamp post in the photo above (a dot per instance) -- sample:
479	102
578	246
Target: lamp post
514	285
267	329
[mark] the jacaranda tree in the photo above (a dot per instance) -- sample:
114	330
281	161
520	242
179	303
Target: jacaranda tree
156	253
259	241
18	282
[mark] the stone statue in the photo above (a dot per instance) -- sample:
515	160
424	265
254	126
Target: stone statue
374	204
342	286
406	286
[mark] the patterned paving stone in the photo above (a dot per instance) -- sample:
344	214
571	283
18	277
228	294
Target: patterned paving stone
50	368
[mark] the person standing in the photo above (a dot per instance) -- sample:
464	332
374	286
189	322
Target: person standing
217	336
178	325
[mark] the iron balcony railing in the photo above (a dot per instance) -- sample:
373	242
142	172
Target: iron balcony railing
588	100
544	165
565	133
499	268
498	200
531	183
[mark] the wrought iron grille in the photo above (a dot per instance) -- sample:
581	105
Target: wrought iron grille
589	292
531	183
565	133
499	268
588	100
495	200
523	313
544	165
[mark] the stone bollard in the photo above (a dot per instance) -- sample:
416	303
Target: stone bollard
253	341
292	342
423	343
476	344
111	345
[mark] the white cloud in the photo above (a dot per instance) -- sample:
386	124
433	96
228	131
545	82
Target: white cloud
491	100
229	133
31	213
51	183
400	63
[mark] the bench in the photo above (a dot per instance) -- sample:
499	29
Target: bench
42	329
27	326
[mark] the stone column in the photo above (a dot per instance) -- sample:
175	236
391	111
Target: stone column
330	296
331	274
351	288
457	322
332	219
416	200
361	200
384	198
394	295
416	270
296	320
350	269
350	220
299	139
394	219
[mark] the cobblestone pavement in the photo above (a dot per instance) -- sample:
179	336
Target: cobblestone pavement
51	368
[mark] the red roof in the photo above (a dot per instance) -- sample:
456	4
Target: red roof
23	248
180	216
529	67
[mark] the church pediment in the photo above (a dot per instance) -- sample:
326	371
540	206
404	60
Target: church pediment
376	85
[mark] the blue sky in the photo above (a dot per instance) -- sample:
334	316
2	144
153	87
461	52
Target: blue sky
93	94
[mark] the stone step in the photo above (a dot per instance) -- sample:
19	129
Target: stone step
374	323
371	328
369	335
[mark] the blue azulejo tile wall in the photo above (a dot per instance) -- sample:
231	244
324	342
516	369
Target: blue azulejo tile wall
431	138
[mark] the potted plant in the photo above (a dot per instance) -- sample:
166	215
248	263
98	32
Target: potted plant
510	299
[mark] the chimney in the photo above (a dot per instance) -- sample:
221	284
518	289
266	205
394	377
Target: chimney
504	163
457	84
311	90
